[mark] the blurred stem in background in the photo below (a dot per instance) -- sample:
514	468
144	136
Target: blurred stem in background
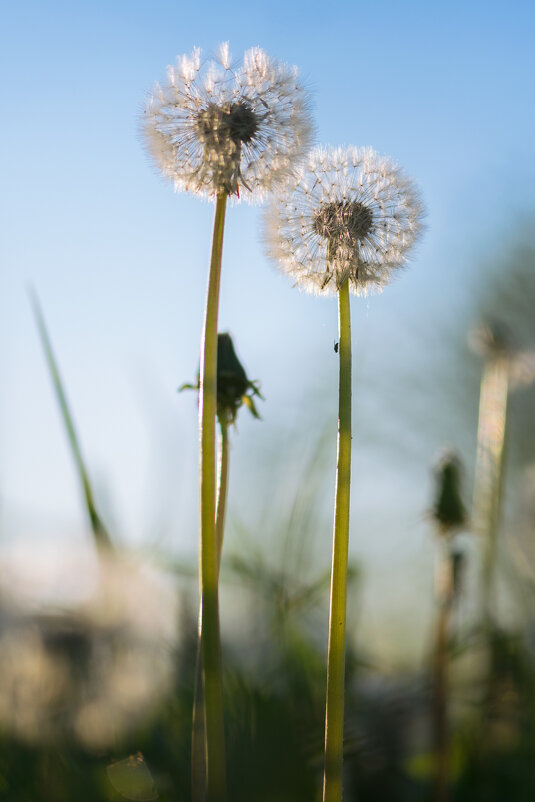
450	516
233	388
505	368
440	693
334	709
100	534
490	475
494	342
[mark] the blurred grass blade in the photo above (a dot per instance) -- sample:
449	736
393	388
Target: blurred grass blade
102	538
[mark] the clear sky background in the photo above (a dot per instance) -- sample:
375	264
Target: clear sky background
119	261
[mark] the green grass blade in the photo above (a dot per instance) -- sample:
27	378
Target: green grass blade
102	538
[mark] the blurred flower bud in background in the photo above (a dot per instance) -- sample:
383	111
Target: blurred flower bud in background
448	509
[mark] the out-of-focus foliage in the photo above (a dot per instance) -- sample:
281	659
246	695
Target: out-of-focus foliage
274	657
274	720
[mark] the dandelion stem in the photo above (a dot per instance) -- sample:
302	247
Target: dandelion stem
209	558
334	714
198	755
489	475
198	729
439	712
222	489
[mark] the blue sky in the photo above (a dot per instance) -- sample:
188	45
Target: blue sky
119	261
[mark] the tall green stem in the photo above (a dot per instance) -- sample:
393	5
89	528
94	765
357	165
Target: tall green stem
198	755
334	714
439	710
222	490
209	562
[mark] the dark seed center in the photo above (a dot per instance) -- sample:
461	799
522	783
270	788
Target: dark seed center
242	122
343	222
239	123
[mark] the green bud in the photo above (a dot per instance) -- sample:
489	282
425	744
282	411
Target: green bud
233	386
448	509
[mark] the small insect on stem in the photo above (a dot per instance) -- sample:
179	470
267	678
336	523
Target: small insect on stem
336	347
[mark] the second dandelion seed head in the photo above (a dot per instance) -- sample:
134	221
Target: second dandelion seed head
351	215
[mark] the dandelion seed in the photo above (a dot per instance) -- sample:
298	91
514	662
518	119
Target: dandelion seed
222	132
213	129
345	224
351	214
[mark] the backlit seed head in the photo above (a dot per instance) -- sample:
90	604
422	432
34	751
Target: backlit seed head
213	129
350	214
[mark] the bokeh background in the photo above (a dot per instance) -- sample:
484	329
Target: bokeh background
119	263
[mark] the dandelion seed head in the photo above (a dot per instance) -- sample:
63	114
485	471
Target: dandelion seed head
494	341
212	128
349	214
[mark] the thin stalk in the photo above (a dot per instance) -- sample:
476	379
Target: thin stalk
488	491
334	713
209	557
198	730
222	489
439	711
100	534
198	754
489	475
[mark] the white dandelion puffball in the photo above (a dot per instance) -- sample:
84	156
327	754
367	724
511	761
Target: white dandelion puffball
351	214
90	669
211	128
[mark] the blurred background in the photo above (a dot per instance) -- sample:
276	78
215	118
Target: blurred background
119	263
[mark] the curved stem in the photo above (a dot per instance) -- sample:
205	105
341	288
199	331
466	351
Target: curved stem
198	756
209	558
334	713
100	534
